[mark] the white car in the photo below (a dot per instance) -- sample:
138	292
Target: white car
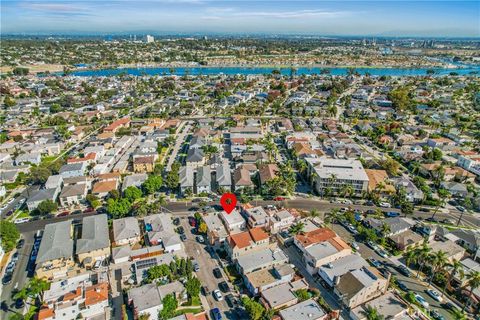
385	205
421	300
218	295
435	295
355	246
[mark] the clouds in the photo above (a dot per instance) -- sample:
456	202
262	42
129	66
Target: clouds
264	16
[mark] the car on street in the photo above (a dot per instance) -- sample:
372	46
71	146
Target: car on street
200	239
402	286
217	273
374	262
372	245
224	287
391	214
180	230
355	246
217	295
4	306
352	229
449	306
205	291
20	244
216	314
231	302
435	295
404	270
421	300
385	205
196	266
15	257
382	253
176	221
460	208
19	303
436	315
63	214
10	267
447	221
9	213
7	278
183	237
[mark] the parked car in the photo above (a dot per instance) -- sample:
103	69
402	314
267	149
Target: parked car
224	286
15	257
7	278
19	303
200	239
176	221
372	245
196	266
63	214
382	253
404	270
231	302
385	205
183	237
217	295
436	315
391	214
217	273
20	244
352	229
205	291
460	208
449	306
421	300
402	286
375	262
355	246
216	314
435	295
181	230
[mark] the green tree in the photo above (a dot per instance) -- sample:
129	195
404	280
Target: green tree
39	175
202	227
302	294
372	314
193	287
297	228
170	305
473	282
400	98
173	179
93	201
152	184
46	207
132	193
254	309
9	234
118	208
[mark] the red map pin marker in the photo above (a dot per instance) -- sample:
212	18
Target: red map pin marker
228	202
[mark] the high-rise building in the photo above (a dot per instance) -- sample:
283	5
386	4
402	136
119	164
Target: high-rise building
149	38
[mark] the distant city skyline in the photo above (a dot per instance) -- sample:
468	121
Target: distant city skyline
369	18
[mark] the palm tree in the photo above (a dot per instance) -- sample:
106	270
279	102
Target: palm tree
332	216
372	314
297	228
36	287
422	256
455	267
347	190
473	282
439	260
314	213
443	195
410	256
385	229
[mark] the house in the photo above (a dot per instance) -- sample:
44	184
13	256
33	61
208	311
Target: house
55	254
469	239
160	230
378	182
267	172
204	179
441	143
136	180
412	193
118	124
406	239
75	298
335	175
335	269
28	158
233	221
38	196
224	177
389	305
143	164
153	305
186	175
359	286
126	231
260	259
256	217
395	225
73	195
282	296
101	189
306	310
263	279
195	157
73	170
242	179
456	189
244	242
468	266
280	220
216	231
453	250
54	182
93	244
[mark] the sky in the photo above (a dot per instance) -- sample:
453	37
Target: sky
355	18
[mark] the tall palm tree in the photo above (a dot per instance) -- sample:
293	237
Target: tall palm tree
473	282
455	267
443	196
423	254
385	229
439	260
314	213
36	287
410	256
332	216
297	228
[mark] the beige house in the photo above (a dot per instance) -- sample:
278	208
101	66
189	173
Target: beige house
94	243
245	242
55	255
359	286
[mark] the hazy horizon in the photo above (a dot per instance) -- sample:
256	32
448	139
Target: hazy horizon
340	18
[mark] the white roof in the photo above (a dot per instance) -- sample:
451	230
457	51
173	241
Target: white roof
306	310
343	169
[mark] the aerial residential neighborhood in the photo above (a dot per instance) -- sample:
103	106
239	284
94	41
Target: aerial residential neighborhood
195	177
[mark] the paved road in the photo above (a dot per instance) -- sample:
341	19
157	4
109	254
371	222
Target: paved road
19	275
179	140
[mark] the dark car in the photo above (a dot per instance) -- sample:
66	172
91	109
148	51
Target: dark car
404	270
7	278
9	213
205	291
230	300
431	219
19	303
176	221
4	306
216	314
20	244
77	212
402	286
183	237
217	273
449	306
391	214
224	287
180	230
437	316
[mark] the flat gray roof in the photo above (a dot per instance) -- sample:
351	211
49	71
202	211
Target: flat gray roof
306	310
56	242
94	234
